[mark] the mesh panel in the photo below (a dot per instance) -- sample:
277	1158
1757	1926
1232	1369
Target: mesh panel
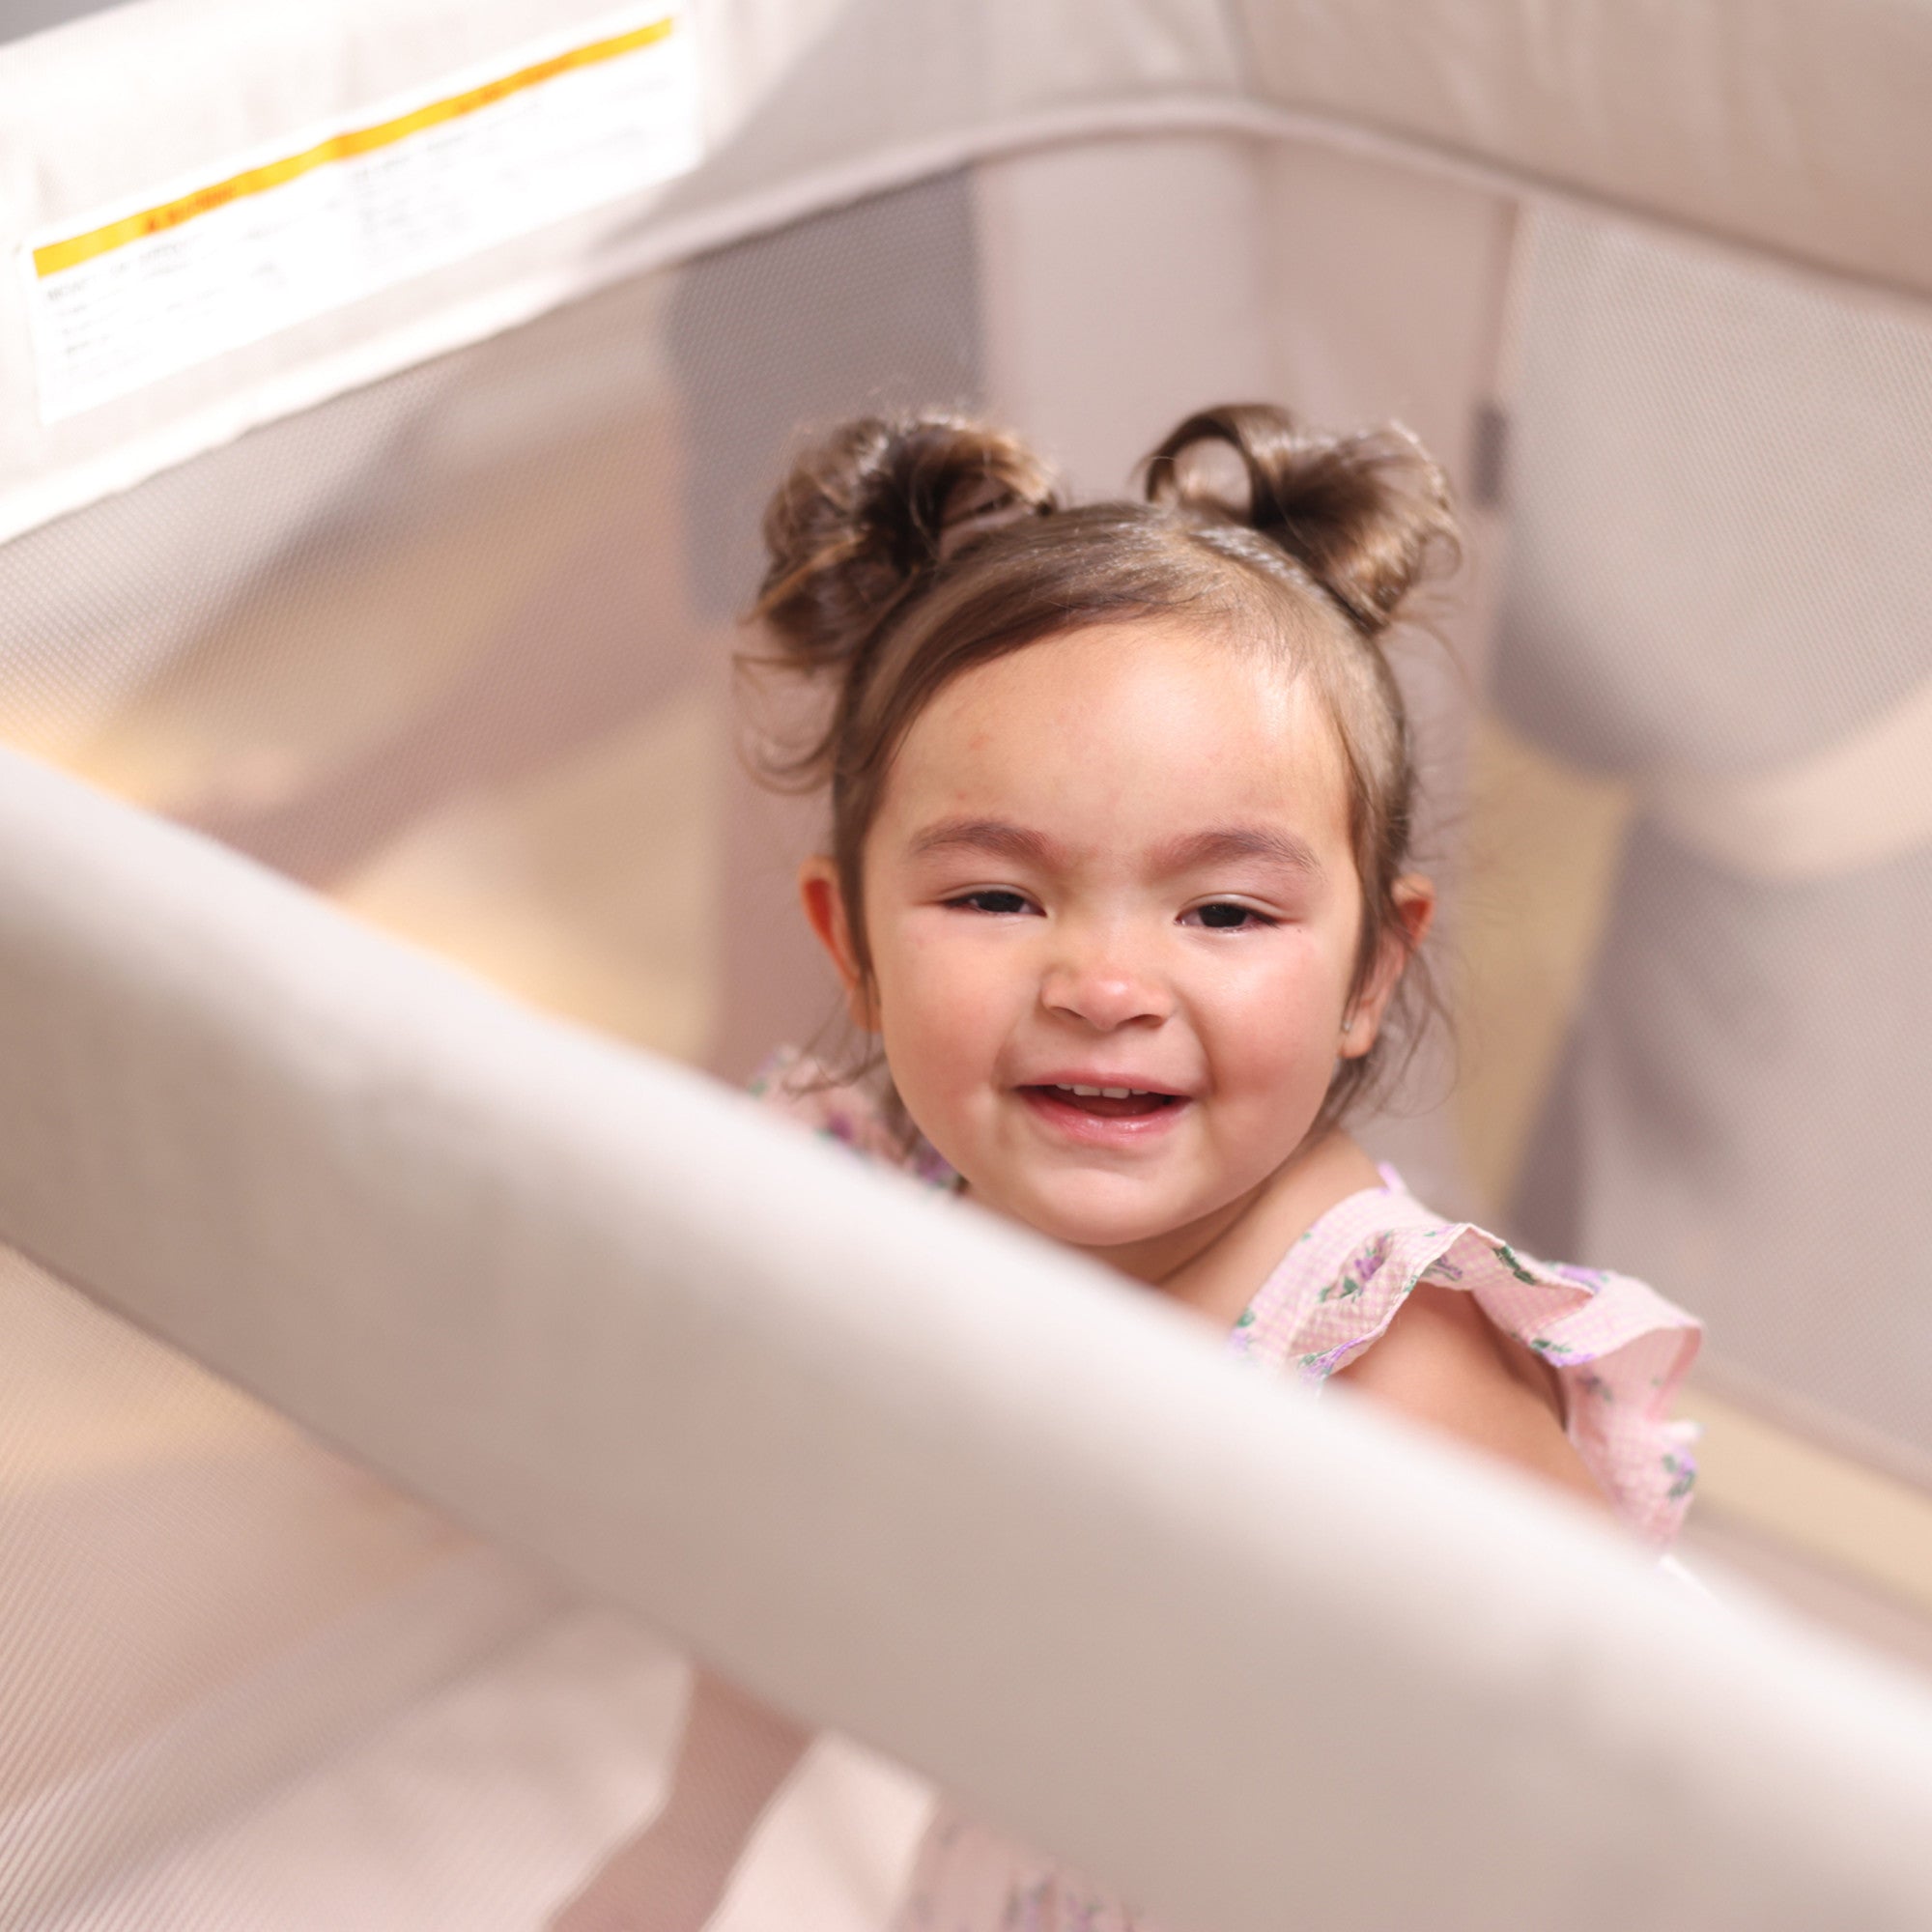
426	647
1717	572
870	307
198	1600
1719	506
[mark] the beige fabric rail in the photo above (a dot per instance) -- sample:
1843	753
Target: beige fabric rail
604	1312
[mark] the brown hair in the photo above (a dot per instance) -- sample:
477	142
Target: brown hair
904	551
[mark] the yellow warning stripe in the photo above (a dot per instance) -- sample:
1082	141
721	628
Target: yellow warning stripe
55	256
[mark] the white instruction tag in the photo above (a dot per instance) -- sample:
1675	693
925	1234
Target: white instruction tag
278	237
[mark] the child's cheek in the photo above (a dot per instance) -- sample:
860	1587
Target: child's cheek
942	1028
1278	1035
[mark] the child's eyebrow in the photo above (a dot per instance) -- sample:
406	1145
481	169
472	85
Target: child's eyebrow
992	835
1216	848
1238	841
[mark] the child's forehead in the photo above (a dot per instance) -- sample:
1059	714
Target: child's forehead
1130	731
1127	690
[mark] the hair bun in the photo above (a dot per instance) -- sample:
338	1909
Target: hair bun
1365	515
867	511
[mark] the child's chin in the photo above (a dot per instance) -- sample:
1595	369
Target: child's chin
1096	1224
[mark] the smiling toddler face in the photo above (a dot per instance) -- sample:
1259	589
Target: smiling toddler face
1118	859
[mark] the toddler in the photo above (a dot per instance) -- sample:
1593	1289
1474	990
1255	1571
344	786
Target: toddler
1119	880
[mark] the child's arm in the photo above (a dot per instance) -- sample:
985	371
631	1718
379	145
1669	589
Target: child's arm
1444	1363
734	1754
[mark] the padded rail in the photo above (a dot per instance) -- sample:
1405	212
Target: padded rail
899	1467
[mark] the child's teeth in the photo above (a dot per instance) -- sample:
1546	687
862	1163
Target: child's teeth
1100	1092
1087	1093
1115	1093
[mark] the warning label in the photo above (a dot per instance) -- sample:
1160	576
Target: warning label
133	295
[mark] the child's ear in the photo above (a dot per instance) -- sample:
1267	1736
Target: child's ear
824	902
1414	900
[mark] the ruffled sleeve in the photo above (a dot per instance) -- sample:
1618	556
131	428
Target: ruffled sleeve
1619	1348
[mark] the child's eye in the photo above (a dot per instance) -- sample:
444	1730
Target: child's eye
991	900
1222	917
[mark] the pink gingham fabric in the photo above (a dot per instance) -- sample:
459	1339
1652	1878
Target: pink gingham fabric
1619	1348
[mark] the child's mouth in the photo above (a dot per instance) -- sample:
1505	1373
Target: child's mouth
1104	1103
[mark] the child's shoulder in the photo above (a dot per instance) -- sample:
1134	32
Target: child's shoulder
850	1111
1614	1350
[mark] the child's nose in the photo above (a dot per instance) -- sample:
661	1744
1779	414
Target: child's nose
1104	987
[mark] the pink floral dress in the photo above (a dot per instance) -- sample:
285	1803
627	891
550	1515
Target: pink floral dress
1620	1352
